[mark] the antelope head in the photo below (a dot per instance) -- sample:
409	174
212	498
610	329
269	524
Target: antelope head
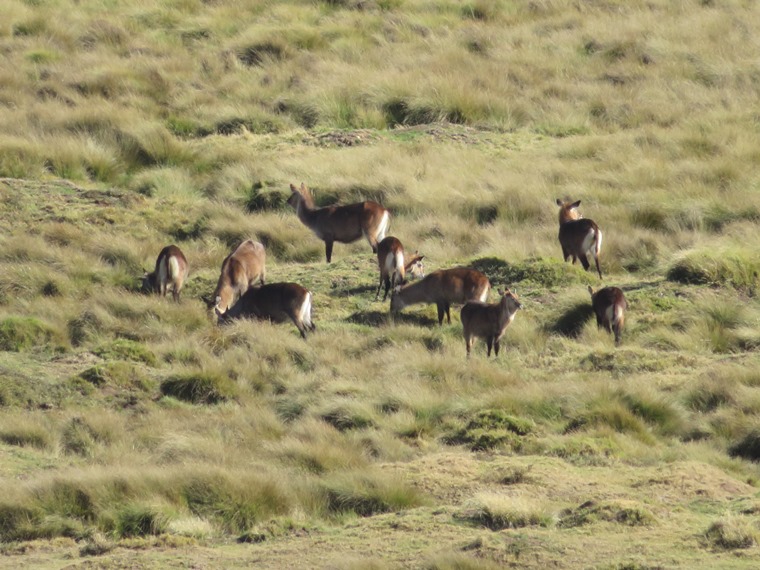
568	211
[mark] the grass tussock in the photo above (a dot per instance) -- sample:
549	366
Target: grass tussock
489	429
732	267
19	334
367	494
731	533
496	512
200	387
591	512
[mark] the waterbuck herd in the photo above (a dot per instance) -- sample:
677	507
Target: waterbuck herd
242	292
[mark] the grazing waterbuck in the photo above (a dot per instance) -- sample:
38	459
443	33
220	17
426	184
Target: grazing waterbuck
488	320
344	224
443	287
578	236
171	269
275	302
240	270
394	266
609	305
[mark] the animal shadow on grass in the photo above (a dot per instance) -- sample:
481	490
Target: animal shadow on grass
380	318
359	290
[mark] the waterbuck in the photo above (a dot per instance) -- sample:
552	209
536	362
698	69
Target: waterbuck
443	287
393	265
609	306
343	224
578	236
171	269
240	270
275	302
488	321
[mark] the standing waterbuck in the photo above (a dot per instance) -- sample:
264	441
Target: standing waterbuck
171	269
609	306
577	235
443	287
488	321
394	266
343	224
240	270
275	302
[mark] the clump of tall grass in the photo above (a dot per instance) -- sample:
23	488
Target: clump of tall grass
125	349
366	493
139	520
498	512
348	415
541	272
731	533
235	502
201	387
26	432
592	511
19	334
491	428
718	266
116	373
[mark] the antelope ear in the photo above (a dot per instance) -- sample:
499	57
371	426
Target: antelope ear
575	204
559	202
420	258
293	189
303	187
590	290
501	292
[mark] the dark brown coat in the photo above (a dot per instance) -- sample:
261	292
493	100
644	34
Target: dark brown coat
276	302
609	306
578	236
488	320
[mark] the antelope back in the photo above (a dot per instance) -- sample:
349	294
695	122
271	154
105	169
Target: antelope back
239	269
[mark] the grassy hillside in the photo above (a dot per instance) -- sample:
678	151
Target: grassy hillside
134	432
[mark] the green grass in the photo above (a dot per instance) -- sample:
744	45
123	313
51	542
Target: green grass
133	426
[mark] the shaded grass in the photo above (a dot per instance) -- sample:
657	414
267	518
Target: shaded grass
199	387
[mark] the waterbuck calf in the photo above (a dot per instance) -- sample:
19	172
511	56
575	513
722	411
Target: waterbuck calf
240	270
488	321
275	302
171	269
443	287
578	236
393	265
609	306
343	224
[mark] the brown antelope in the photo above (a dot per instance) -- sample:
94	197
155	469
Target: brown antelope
578	236
275	302
609	306
171	268
394	267
488	321
240	270
343	224
443	287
